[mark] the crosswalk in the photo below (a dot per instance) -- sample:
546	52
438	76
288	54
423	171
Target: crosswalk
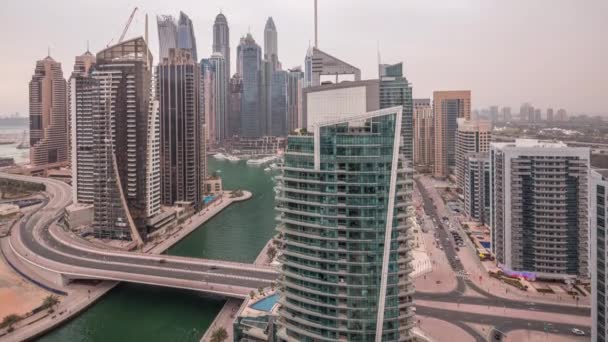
462	274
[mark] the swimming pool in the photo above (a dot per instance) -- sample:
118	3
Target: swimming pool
265	304
208	199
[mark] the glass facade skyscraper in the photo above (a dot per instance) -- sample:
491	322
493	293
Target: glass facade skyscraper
343	200
395	90
250	61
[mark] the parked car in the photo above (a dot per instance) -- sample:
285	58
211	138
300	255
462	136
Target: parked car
578	332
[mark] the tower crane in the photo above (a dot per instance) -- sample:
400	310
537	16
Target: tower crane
124	31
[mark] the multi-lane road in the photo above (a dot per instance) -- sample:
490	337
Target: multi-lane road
39	241
484	298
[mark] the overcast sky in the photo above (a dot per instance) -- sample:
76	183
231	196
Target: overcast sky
552	53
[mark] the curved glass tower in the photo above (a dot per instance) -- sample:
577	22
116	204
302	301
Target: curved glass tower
344	200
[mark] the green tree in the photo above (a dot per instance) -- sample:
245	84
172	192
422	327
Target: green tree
272	285
252	294
50	302
219	335
261	291
9	320
271	252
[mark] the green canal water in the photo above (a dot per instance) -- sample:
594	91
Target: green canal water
133	312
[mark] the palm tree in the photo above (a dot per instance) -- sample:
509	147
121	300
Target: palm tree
9	321
261	291
50	301
219	335
252	294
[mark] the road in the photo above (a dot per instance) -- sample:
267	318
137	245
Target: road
485	298
44	245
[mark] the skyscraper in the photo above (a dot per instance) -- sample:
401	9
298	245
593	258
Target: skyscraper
424	140
539	221
395	90
234	112
278	104
550	114
476	188
208	100
167	35
172	35
506	114
221	40
598	202
83	104
250	62
271	50
318	63
182	154
562	115
48	114
127	145
448	106
471	136
221	97
295	82
344	222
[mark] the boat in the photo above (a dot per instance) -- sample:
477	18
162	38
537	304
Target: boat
232	158
261	161
267	169
219	156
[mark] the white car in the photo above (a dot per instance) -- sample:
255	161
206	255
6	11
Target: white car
578	332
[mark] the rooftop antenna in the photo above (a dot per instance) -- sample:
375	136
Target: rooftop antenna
48	51
316	37
88	45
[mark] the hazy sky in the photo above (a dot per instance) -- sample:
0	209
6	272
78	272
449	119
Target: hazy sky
552	53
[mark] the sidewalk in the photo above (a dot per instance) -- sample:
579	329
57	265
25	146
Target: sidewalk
441	279
442	331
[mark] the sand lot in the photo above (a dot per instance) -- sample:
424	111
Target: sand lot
17	295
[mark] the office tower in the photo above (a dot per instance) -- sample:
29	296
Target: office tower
278	103
506	114
127	144
598	224
471	136
562	115
550	114
265	99
167	35
48	115
250	61
295	82
83	101
424	140
172	35
221	97
234	112
318	63
476	188
208	100
271	51
448	106
526	113
344	201
182	154
339	101
540	208
221	40
395	90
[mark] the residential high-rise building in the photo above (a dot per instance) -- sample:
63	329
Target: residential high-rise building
182	154
234	112
271	50
550	114
344	201
221	97
526	113
539	220
395	90
339	101
537	115
83	96
424	139
506	114
250	64
172	35
278	103
208	100
598	192
318	63
48	115
493	115
476	188
448	106
471	136
221	41
295	82
562	115
126	142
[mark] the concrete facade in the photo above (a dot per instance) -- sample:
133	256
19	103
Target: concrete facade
598	243
471	137
448	106
424	137
476	188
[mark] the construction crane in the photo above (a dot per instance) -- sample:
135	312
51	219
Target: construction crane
124	31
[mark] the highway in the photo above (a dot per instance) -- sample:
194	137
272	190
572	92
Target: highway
45	245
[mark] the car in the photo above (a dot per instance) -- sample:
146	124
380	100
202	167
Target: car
456	258
578	332
213	268
457	249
